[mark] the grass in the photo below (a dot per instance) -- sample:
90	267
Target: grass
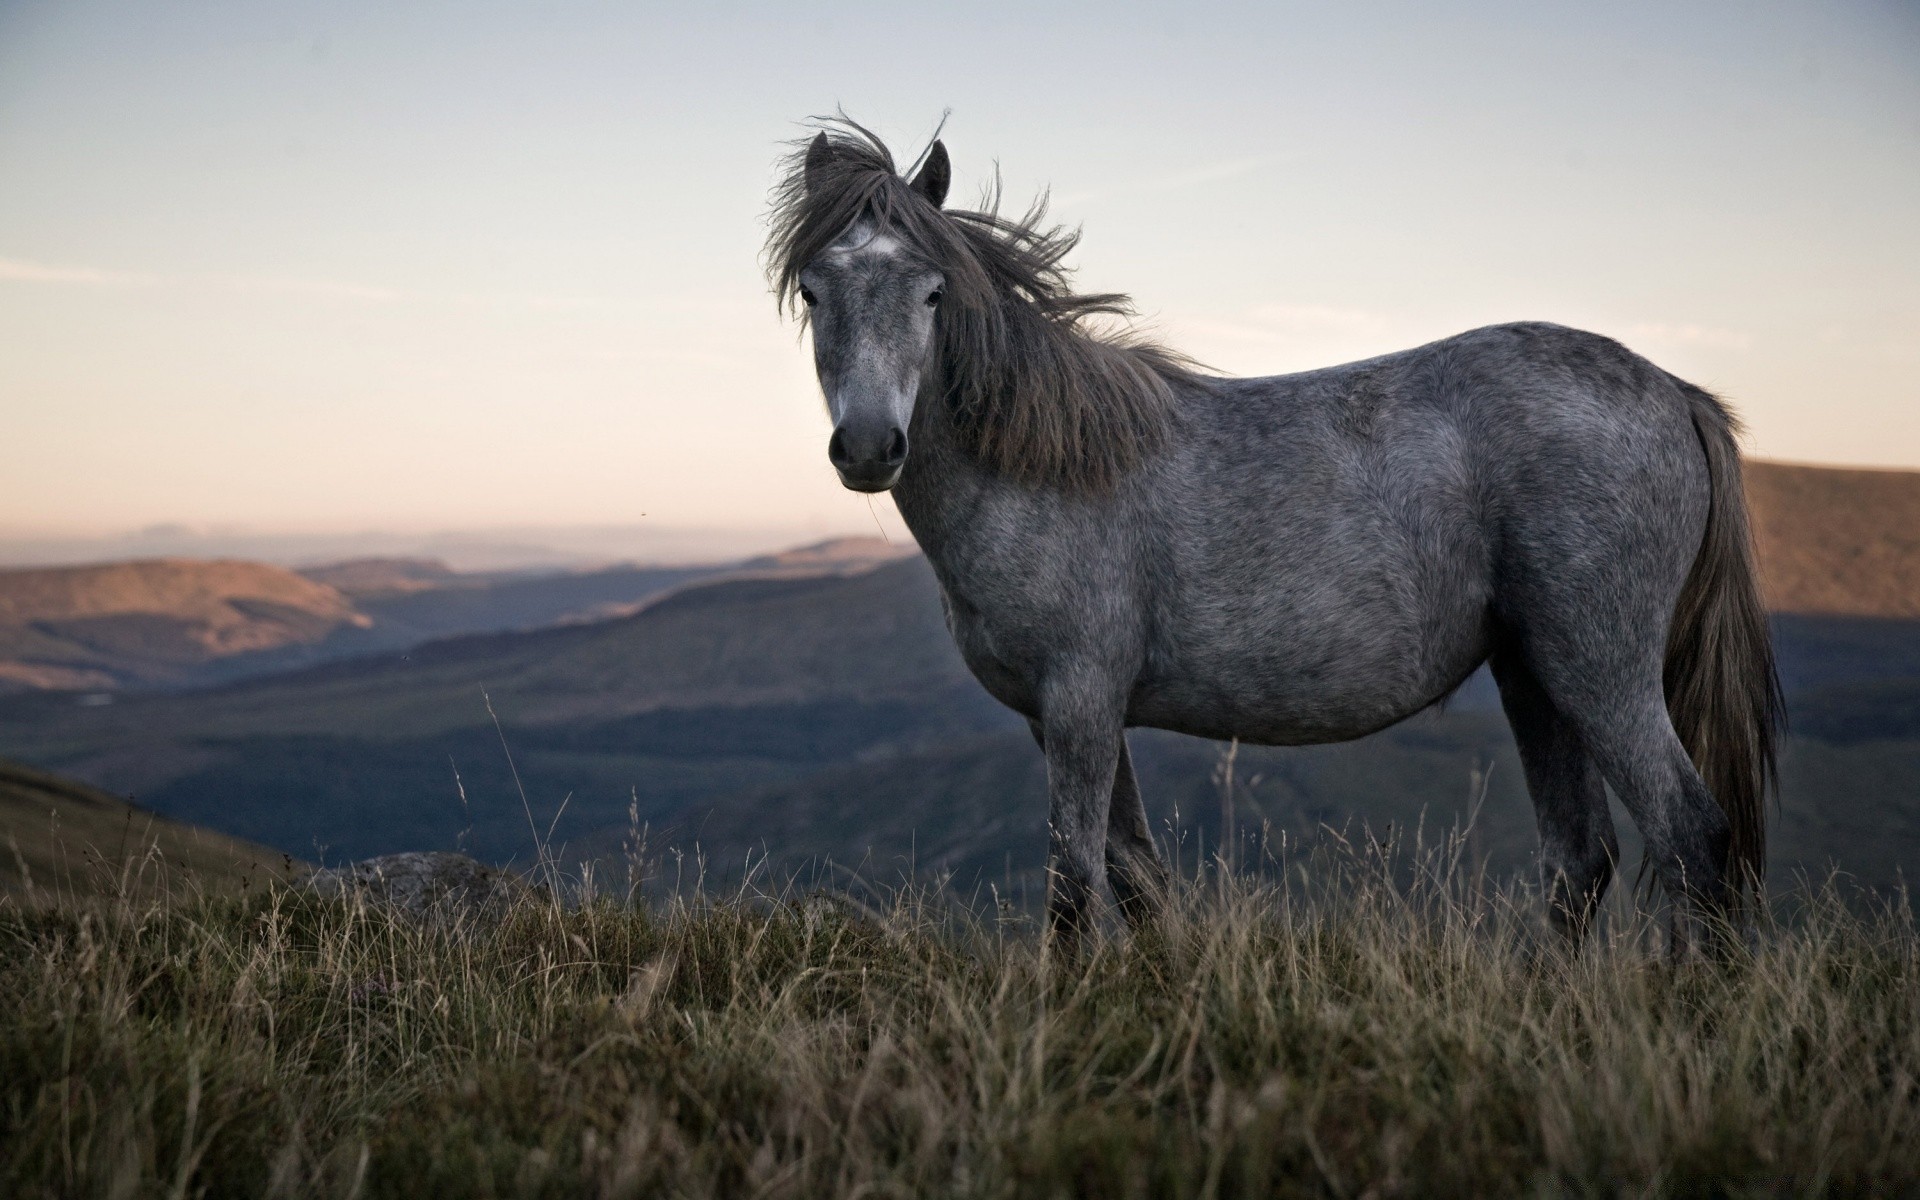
1337	1029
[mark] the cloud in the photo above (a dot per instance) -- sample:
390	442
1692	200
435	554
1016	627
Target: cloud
20	271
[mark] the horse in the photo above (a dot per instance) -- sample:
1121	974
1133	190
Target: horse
1123	538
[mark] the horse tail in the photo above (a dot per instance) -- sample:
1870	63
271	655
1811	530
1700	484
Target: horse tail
1723	693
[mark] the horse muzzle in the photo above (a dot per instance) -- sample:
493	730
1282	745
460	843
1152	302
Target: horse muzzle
868	458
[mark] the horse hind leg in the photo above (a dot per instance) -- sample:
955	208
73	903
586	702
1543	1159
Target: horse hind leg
1687	834
1578	846
1619	710
1135	870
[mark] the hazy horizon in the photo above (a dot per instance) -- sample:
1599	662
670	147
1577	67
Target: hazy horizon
464	548
506	548
299	269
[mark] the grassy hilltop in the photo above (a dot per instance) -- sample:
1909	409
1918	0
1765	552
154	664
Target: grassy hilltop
1355	1037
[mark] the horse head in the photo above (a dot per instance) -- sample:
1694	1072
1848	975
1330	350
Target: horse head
872	301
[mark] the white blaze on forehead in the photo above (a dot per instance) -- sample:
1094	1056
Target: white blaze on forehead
862	239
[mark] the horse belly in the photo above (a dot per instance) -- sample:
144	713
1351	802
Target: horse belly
1305	686
1273	713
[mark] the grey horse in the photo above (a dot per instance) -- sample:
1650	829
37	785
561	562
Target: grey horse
1123	539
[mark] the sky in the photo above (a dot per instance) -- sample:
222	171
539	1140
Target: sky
310	268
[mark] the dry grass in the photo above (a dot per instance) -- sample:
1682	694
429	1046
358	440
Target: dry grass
1371	1032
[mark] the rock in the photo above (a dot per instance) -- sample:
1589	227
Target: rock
436	886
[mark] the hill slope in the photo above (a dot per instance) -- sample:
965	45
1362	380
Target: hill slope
1837	542
62	838
171	623
829	714
832	717
154	621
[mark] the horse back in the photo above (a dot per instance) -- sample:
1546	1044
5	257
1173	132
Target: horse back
1332	548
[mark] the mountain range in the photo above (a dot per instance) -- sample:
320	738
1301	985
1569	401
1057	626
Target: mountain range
808	710
176	623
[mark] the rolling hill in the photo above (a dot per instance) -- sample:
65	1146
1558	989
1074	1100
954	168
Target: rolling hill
415	600
830	717
173	623
1837	542
65	840
812	714
155	621
720	683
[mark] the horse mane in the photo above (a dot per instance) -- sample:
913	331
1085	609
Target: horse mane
1035	392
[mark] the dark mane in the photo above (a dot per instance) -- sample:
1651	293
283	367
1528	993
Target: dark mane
1034	392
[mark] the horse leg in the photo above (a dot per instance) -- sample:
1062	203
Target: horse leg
1622	720
1135	871
1687	835
1082	742
1578	847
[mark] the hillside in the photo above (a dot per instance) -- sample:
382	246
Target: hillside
362	578
830	717
413	601
735	642
154	621
812	705
1837	542
717	687
176	623
59	838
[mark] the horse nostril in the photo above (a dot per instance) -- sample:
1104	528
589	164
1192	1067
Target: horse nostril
865	449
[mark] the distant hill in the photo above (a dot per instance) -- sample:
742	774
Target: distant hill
836	554
1837	542
811	705
62	839
173	623
155	621
1831	542
365	577
830	716
716	687
411	602
873	636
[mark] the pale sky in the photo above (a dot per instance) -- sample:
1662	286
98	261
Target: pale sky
411	266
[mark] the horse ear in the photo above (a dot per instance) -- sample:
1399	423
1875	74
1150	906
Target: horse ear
935	176
819	157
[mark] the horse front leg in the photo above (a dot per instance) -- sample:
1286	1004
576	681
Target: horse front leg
1135	870
1081	737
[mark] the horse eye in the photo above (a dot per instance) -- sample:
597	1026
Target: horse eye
808	298
935	296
